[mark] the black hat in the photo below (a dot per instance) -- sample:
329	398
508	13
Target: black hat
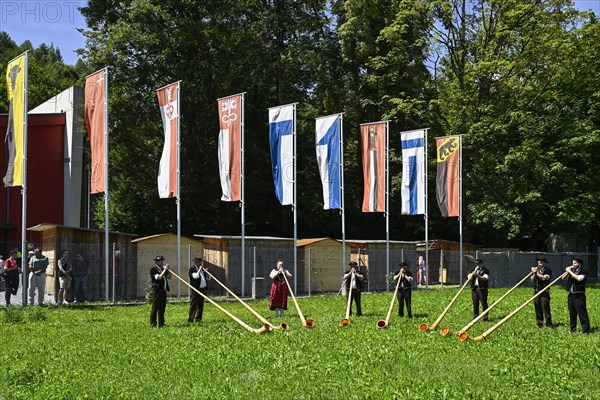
403	264
159	258
479	261
198	259
579	260
352	263
542	259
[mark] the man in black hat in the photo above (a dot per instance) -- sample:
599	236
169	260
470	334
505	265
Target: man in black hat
354	278
479	288
160	286
198	280
404	291
541	278
577	275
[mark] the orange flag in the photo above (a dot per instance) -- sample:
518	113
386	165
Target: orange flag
95	120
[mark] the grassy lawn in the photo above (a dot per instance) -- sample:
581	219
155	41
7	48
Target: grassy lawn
111	353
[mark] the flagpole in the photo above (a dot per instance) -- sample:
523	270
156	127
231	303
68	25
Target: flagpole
242	198
178	190
342	192
295	209
24	187
387	199
426	215
460	221
106	249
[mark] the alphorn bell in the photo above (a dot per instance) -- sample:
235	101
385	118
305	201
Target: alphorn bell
283	325
509	316
424	327
346	320
385	323
309	323
266	328
463	335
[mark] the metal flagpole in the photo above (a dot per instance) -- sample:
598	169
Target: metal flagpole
24	186
178	190
426	215
387	200
460	227
342	192
295	208
106	249
243	216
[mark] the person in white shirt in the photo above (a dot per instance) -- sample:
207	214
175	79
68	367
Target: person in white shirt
198	279
279	291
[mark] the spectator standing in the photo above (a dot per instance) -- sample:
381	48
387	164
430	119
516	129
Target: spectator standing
37	276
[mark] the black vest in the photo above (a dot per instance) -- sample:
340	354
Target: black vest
578	286
539	284
162	284
482	284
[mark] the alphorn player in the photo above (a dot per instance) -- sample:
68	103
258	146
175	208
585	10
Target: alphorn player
278	296
160	286
541	278
198	281
356	285
479	288
577	275
404	291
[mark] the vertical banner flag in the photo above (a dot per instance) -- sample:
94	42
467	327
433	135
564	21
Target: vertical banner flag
168	101
373	140
95	120
413	172
230	151
15	80
327	137
447	181
281	139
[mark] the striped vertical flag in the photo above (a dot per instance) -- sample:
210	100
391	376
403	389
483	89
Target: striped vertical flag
373	141
230	151
448	171
413	172
16	83
95	119
281	139
168	101
327	138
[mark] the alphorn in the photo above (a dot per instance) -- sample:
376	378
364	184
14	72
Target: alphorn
424	327
309	323
385	323
283	325
509	316
462	334
346	320
266	328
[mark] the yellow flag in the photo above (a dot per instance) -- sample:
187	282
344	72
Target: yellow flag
15	79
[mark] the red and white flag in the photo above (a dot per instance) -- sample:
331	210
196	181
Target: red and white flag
231	110
373	140
168	101
95	120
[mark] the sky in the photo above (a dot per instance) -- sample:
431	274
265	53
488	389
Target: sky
47	21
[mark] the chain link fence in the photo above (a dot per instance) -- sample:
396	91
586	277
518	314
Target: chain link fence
125	278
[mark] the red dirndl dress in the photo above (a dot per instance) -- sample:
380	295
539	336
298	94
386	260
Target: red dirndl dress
279	294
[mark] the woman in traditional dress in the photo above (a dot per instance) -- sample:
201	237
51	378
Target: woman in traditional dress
279	289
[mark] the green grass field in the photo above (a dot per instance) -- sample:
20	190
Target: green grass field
111	353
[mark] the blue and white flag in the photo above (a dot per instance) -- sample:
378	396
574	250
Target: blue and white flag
413	172
281	138
327	138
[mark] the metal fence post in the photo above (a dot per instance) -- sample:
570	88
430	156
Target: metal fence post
114	271
309	271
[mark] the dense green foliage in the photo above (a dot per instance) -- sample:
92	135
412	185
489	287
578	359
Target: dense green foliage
518	78
111	353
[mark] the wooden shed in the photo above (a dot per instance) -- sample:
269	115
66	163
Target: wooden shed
322	257
90	243
165	244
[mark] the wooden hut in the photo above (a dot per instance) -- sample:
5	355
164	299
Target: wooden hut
320	264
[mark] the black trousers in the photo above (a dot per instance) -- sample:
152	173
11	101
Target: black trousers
577	307
159	304
404	297
479	295
355	296
196	306
11	286
542	308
